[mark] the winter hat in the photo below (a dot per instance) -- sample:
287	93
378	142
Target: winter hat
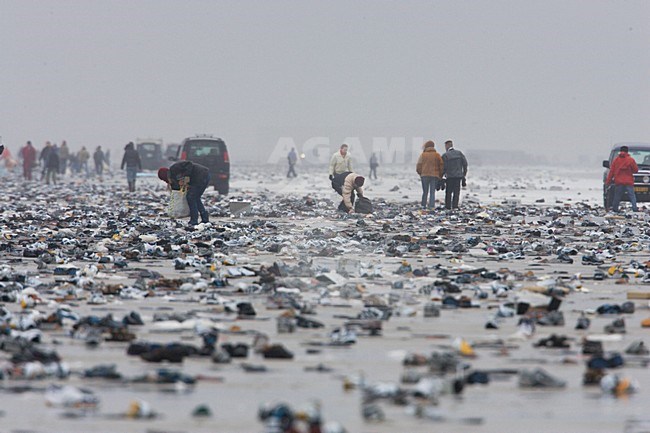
358	181
163	174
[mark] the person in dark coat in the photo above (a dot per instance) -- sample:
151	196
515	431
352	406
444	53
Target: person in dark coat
196	179
43	158
131	160
52	165
374	163
455	170
98	157
292	158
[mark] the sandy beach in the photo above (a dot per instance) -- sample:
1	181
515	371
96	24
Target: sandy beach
498	205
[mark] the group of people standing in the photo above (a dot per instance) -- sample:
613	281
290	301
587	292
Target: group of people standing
56	160
438	172
447	171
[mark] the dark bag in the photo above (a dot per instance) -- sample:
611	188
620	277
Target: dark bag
363	205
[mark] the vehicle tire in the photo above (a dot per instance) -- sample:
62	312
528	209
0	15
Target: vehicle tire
222	188
608	197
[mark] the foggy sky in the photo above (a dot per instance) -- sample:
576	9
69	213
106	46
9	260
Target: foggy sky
553	77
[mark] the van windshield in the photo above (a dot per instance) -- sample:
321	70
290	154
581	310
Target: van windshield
641	156
202	148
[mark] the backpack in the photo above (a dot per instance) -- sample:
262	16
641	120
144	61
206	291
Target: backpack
363	205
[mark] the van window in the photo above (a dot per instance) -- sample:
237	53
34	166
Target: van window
147	147
201	148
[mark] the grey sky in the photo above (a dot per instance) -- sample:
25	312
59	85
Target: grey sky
543	76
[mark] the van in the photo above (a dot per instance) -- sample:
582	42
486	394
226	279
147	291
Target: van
210	152
151	153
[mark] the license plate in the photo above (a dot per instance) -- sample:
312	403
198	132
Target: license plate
640	189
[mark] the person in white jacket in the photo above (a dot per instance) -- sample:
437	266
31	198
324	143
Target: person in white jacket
341	162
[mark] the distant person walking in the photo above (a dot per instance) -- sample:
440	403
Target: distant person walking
341	162
621	173
196	178
346	184
64	156
28	154
455	170
292	158
131	160
374	163
43	158
98	157
52	165
430	169
83	157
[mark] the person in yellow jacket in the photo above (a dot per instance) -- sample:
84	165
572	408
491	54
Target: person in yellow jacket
430	169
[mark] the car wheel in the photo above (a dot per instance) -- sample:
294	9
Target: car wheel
222	188
608	198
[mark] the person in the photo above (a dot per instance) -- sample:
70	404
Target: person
131	160
83	157
43	158
28	153
64	156
340	162
98	157
74	163
196	178
8	160
621	174
374	163
454	168
430	168
292	158
52	165
345	184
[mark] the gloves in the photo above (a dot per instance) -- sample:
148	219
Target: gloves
331	176
463	183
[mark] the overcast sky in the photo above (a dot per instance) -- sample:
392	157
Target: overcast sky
563	76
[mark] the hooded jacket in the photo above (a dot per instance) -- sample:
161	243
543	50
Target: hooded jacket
622	170
197	173
454	164
430	163
131	158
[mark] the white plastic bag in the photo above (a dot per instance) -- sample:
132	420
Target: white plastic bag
178	207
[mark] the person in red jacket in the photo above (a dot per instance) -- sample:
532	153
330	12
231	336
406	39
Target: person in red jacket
622	173
29	160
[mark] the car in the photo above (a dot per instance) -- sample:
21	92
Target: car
641	154
210	152
171	151
151	154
